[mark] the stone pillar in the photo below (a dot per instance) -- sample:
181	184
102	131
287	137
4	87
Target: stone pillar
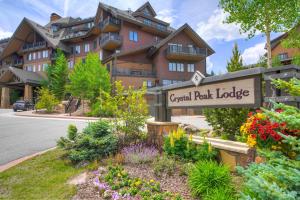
5	97
28	92
162	113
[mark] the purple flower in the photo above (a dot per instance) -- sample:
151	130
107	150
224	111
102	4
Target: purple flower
139	153
116	196
101	186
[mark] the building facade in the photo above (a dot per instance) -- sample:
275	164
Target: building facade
285	55
134	46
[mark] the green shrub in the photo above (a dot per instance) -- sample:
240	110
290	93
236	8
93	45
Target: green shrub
95	141
46	100
226	122
221	193
276	179
72	132
178	144
207	176
164	164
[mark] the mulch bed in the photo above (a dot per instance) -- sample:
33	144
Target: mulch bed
174	184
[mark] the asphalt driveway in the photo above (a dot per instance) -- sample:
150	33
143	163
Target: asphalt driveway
23	136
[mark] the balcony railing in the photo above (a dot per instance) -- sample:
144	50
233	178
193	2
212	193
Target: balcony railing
34	46
133	73
110	40
172	49
18	62
110	21
156	26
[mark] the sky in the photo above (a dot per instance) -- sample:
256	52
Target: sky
204	16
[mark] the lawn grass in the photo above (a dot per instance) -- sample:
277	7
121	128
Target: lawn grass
43	177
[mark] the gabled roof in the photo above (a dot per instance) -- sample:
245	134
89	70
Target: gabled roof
122	14
188	29
24	28
148	6
22	75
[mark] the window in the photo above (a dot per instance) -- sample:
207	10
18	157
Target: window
101	55
172	67
33	68
54	28
45	65
283	56
180	67
39	55
70	64
175	47
133	36
33	56
147	22
161	27
77	49
29	68
90	24
39	68
149	83
95	44
86	48
167	82
45	54
30	57
191	67
72	50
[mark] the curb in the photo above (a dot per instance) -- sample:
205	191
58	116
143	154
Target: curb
56	117
20	160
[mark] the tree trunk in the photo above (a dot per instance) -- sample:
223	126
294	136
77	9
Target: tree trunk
269	53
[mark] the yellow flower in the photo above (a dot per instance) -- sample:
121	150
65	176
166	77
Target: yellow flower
251	141
191	137
260	116
209	147
172	140
151	181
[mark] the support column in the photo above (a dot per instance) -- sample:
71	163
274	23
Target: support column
5	97
28	92
162	113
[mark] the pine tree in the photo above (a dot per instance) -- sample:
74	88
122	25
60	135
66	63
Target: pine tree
236	61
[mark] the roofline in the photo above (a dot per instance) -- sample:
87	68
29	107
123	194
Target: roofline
185	26
144	5
28	21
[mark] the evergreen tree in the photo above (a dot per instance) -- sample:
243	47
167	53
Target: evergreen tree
236	61
227	121
58	76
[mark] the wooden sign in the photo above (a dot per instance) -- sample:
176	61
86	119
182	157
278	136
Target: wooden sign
233	93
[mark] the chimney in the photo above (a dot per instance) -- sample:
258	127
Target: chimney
54	17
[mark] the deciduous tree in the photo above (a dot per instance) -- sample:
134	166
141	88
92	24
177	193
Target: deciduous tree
265	16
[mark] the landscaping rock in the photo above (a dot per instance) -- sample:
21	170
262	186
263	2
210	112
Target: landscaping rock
80	179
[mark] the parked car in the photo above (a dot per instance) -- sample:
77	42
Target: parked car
22	105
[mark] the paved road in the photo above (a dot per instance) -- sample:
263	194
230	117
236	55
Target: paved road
22	136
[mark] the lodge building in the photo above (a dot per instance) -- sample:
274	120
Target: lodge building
135	46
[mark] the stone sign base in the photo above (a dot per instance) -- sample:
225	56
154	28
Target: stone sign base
157	130
232	153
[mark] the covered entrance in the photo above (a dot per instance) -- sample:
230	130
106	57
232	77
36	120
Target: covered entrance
19	83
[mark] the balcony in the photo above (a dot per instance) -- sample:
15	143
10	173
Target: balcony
110	41
133	73
185	53
110	24
155	28
17	62
34	46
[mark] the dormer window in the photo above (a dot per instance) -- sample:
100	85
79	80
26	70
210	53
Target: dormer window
54	28
147	12
147	22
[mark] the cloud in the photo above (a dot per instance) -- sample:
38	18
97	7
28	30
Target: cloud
209	65
5	34
215	28
251	55
66	7
167	15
